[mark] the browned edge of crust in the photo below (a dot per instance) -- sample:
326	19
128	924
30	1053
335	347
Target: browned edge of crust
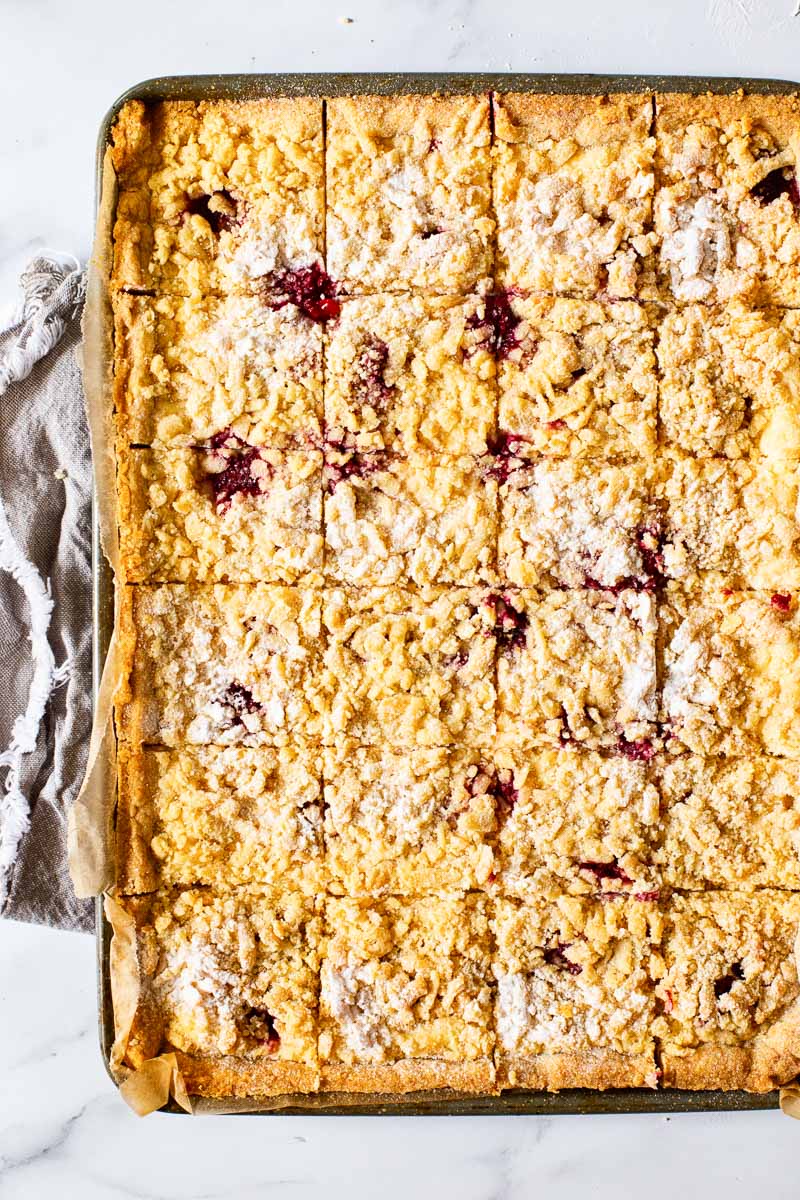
134	347
596	1069
779	115
133	699
588	120
240	1078
462	117
137	774
410	1075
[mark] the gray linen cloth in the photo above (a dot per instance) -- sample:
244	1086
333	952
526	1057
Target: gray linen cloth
45	594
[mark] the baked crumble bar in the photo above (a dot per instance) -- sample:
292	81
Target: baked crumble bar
408	821
230	513
396	520
728	994
731	671
577	379
219	817
405	998
730	381
409	668
579	523
577	666
727	198
408	193
735	522
219	196
189	371
219	664
229	982
576	822
575	998
409	374
573	192
731	823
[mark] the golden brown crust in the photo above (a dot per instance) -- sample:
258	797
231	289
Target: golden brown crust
771	1060
588	120
228	1077
779	115
597	1069
393	116
137	869
412	1075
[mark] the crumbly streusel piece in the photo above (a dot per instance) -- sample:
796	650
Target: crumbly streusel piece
729	992
578	523
219	196
575	997
220	664
405	1000
409	668
408	520
736	522
410	373
577	666
731	671
727	198
408	193
576	822
730	381
187	371
219	817
229	982
573	191
407	821
232	513
577	379
731	823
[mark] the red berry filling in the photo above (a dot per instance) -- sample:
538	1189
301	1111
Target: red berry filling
641	751
241	700
555	956
310	288
609	870
503	457
780	182
497	782
259	1024
498	324
782	601
724	984
510	625
234	469
220	210
647	539
354	464
368	385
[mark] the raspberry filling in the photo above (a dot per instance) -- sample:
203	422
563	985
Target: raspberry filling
234	468
641	751
309	288
782	601
503	455
510	625
780	182
647	539
498	324
724	984
220	210
368	385
259	1024
555	956
355	464
603	871
241	700
497	782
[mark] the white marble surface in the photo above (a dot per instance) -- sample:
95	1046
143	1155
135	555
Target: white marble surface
63	1131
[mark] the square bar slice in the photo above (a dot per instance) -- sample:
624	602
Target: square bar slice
229	982
576	821
409	668
575	994
730	823
578	523
187	372
731	671
730	381
407	821
573	191
417	520
733	523
410	373
405	1001
577	379
218	196
729	996
577	666
221	817
231	513
219	664
408	193
727	205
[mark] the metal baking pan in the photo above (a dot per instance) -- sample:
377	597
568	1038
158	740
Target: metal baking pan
243	87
